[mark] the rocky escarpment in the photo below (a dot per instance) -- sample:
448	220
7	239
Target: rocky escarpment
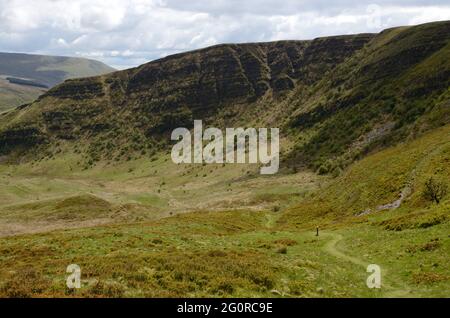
208	79
78	89
158	96
20	137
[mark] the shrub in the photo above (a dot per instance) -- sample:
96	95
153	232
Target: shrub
435	190
286	242
25	283
106	289
217	253
157	241
223	287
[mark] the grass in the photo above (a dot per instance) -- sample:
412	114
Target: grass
379	179
415	259
136	190
12	95
115	222
231	254
103	192
75	67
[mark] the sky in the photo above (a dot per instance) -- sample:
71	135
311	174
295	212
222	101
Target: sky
129	33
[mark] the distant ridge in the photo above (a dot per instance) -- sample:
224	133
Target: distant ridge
23	77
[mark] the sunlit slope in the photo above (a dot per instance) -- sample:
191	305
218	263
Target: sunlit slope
380	179
335	99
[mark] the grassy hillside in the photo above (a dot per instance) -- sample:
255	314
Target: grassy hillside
396	87
47	194
46	70
133	111
86	175
380	179
12	95
336	99
244	252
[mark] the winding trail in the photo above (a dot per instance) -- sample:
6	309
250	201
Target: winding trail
389	291
330	247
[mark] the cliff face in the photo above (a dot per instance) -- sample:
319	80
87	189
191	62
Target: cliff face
170	92
207	79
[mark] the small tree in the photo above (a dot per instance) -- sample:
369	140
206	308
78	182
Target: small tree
435	190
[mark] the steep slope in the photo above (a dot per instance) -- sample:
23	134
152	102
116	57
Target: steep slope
133	108
335	99
396	87
23	77
368	187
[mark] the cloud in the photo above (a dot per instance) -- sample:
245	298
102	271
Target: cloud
129	33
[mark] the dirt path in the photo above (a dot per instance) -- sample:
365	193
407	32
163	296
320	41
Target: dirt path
330	247
389	290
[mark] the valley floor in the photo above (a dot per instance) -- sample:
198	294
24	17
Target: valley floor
147	228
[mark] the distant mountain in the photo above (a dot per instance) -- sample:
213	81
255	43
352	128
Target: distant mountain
23	77
335	98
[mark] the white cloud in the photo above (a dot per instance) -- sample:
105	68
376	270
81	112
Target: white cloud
128	33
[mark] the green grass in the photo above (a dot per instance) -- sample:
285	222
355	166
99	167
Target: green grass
113	202
76	67
243	252
231	254
228	253
136	190
379	179
415	259
15	95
